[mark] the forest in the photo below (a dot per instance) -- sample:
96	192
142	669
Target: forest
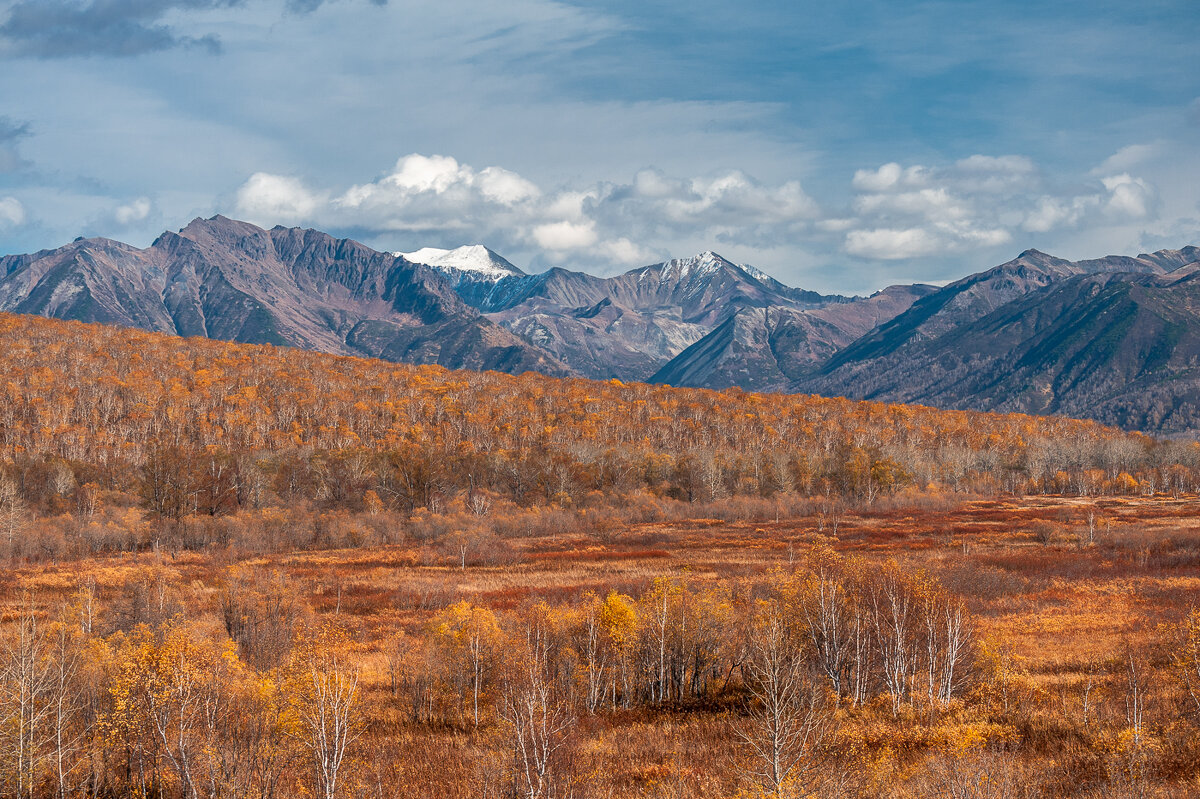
242	571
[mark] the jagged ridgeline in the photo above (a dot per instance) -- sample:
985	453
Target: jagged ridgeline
196	426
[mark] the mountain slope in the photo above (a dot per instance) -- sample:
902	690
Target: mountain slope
766	349
972	297
1122	347
472	259
234	281
631	325
474	271
1115	339
463	308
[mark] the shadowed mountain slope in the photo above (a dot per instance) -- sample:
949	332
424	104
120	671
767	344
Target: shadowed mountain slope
1115	339
766	349
1122	347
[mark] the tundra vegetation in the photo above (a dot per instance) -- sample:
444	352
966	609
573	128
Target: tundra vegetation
237	571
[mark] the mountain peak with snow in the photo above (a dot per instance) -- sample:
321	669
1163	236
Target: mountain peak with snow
473	259
703	264
710	263
705	261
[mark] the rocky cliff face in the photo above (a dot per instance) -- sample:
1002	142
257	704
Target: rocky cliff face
630	326
767	349
462	308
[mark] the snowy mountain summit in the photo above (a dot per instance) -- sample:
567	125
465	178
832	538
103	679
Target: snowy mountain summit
475	259
703	265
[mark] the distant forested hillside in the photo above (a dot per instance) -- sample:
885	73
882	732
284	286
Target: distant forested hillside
197	428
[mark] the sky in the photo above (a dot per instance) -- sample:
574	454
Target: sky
838	146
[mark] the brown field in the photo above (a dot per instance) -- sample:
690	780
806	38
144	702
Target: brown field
1058	613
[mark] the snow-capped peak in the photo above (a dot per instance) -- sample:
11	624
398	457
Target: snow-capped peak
473	258
706	263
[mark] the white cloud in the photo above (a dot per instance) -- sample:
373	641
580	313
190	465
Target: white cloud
937	202
892	244
988	237
1056	212
570	204
12	213
897	212
1129	197
135	211
978	202
909	212
654	184
996	163
437	176
1119	198
565	235
882	179
418	173
1128	157
835	224
447	202
994	174
624	251
271	199
508	188
734	195
728	209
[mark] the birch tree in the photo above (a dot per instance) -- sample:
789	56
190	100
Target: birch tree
325	697
26	682
539	721
787	715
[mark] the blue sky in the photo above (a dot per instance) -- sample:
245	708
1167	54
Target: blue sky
839	146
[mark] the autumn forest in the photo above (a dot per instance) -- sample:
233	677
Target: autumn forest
244	571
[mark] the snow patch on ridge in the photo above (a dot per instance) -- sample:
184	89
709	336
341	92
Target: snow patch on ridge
756	273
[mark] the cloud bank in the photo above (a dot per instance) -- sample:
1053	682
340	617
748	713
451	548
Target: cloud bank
980	202
896	212
605	223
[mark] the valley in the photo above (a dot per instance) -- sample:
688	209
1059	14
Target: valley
564	399
228	562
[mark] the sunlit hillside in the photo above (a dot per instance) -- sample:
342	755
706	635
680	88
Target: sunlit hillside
201	427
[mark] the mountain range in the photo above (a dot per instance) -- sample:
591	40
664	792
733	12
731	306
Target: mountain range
231	280
1115	339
